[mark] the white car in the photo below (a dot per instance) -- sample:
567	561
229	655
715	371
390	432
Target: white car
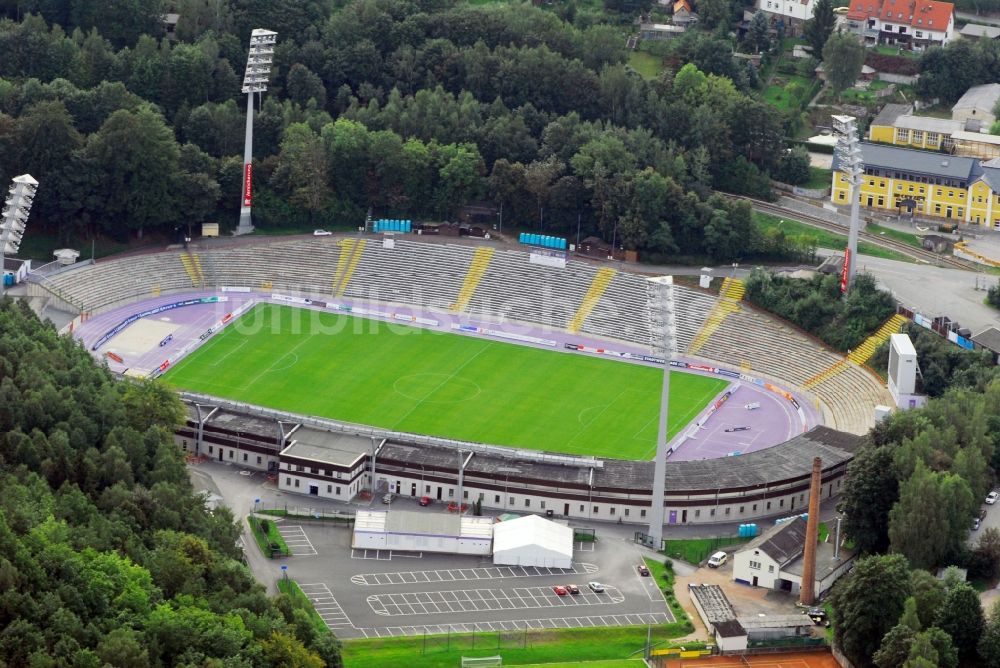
992	497
596	587
718	559
321	233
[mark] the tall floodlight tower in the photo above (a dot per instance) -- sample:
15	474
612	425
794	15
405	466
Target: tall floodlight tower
660	293
15	217
254	81
850	163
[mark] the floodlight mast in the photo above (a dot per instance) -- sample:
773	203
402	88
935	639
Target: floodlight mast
254	81
16	207
664	328
851	163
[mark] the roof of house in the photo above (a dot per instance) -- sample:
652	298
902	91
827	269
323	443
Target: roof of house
682	5
826	565
890	112
731	628
944	126
976	30
979	97
991	175
783	542
913	160
989	338
926	14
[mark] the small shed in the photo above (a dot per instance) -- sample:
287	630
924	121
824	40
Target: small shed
66	255
532	541
937	243
988	339
730	636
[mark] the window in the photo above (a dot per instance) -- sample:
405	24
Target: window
312	470
288	481
881	201
338	491
451	493
770	569
596	510
244	456
937	208
542	504
427	490
711	512
768	505
741	510
496	499
697	512
465	494
755	565
626	512
583	508
329	489
612	510
781	503
902	134
918	136
258	460
727	511
642	512
840	195
231	453
296	482
961	212
755	507
932	137
527	503
298	468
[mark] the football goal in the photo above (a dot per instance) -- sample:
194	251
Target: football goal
481	661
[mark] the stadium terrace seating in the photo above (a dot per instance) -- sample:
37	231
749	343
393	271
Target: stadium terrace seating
432	275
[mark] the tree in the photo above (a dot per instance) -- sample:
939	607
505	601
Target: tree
843	57
869	495
818	29
942	644
793	167
961	617
989	643
895	647
539	177
985	559
867	603
928	594
930	503
303	169
304	85
757	31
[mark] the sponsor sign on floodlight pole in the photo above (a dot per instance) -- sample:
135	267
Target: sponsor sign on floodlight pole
664	327
851	164
16	207
254	81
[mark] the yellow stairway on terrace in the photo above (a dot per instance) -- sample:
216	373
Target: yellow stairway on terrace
351	251
192	265
862	353
594	294
730	295
480	262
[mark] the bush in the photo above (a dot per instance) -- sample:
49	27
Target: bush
993	296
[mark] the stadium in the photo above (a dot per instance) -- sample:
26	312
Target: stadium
522	378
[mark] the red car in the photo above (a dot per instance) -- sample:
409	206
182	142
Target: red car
643	570
425	500
560	590
573	589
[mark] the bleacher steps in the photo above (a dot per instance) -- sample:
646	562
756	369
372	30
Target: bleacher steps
346	250
357	249
477	269
590	300
862	353
730	295
190	268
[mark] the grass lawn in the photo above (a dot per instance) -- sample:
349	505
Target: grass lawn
819	178
646	64
825	238
606	647
428	382
907	238
777	94
300	600
267	538
696	550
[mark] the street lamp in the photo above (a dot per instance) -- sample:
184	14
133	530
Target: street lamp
15	216
851	163
254	81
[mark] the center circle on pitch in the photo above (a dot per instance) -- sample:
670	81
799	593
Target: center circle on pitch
436	388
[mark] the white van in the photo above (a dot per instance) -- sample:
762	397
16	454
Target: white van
718	559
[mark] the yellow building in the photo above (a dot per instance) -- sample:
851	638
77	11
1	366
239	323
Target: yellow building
925	183
897	125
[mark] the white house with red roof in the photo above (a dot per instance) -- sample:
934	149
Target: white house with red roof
912	24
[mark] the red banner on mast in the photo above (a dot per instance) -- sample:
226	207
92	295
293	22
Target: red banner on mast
844	270
247	184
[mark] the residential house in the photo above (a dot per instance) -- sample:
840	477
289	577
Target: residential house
683	13
897	125
913	24
977	104
791	14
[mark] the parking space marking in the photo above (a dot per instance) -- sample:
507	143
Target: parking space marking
582	546
635	619
297	540
326	606
458	574
485	600
376	555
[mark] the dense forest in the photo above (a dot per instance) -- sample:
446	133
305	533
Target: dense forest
406	108
109	557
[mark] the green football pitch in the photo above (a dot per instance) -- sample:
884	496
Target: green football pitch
427	382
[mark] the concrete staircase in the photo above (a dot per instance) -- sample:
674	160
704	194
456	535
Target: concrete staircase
351	251
862	353
477	269
192	265
594	293
730	296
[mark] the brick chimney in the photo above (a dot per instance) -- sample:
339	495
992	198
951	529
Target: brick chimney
807	592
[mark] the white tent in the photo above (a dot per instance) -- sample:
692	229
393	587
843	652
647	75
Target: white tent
532	541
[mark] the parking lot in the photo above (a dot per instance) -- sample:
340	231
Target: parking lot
382	593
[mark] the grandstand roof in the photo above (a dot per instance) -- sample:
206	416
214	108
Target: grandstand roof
785	461
327	447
